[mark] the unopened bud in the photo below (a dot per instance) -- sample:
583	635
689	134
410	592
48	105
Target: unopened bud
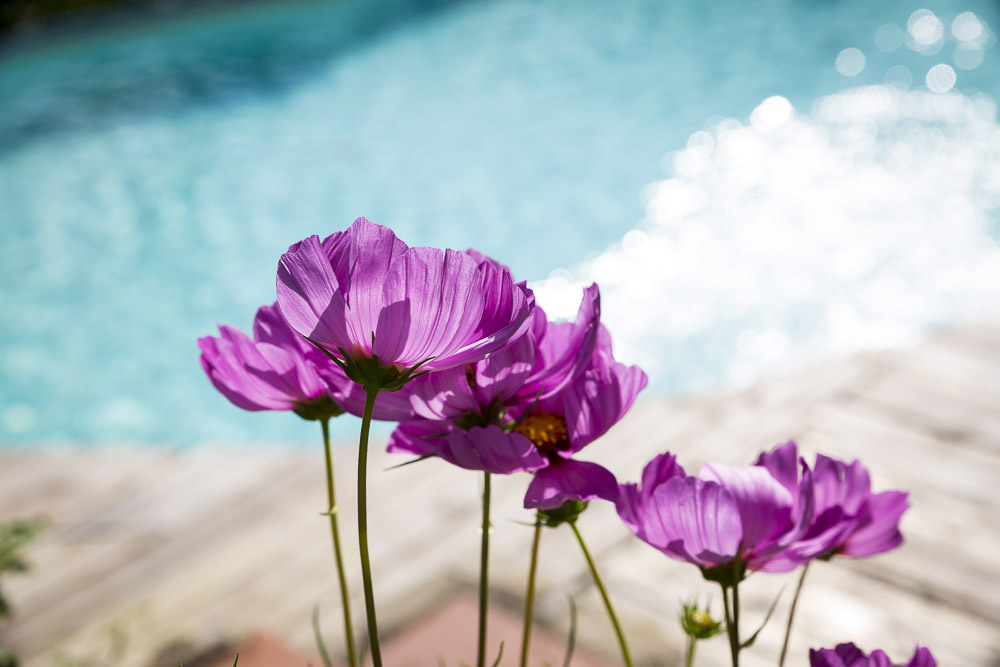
697	623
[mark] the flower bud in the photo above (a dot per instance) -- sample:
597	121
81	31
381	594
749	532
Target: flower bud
697	623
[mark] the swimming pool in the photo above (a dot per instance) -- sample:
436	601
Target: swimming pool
151	176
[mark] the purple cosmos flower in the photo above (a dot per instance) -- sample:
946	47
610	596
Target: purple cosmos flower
364	294
277	371
849	655
725	520
847	518
530	407
563	424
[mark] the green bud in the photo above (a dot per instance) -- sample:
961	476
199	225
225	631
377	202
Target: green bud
697	623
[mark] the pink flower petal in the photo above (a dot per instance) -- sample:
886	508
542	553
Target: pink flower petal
565	480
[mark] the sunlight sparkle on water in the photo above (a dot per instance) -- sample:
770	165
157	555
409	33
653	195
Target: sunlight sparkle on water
726	265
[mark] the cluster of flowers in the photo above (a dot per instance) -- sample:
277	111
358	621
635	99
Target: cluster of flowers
451	347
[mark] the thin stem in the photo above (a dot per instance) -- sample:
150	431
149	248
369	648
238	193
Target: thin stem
731	629
529	598
791	615
604	595
366	568
484	558
735	638
689	661
345	598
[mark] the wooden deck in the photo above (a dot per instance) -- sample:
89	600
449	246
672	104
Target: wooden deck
149	552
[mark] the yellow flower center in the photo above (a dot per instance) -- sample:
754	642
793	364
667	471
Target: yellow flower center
547	431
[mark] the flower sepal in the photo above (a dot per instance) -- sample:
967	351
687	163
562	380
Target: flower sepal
319	409
728	575
370	373
568	512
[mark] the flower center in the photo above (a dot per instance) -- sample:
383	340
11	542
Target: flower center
547	431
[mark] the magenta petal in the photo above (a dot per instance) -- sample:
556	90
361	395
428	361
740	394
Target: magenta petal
783	464
420	438
269	326
490	449
922	658
219	368
565	480
879	528
565	349
435	302
633	498
850	654
372	251
502	374
694	520
841	485
878	658
309	295
663	467
506	304
288	371
243	375
443	395
598	399
825	657
765	505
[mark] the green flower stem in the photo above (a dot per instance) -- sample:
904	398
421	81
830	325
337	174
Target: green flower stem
691	643
732	622
604	596
366	568
484	583
529	598
345	601
791	615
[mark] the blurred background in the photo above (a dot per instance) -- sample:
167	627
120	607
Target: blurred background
753	184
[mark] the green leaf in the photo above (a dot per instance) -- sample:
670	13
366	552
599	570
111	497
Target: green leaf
496	662
410	462
571	644
320	645
236	660
749	642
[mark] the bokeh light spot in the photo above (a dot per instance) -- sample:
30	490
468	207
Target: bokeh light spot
941	78
925	28
850	62
969	55
771	113
966	27
898	75
889	37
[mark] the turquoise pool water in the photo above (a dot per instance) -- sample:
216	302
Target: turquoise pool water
151	176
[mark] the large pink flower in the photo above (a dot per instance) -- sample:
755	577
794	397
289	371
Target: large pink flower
365	294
